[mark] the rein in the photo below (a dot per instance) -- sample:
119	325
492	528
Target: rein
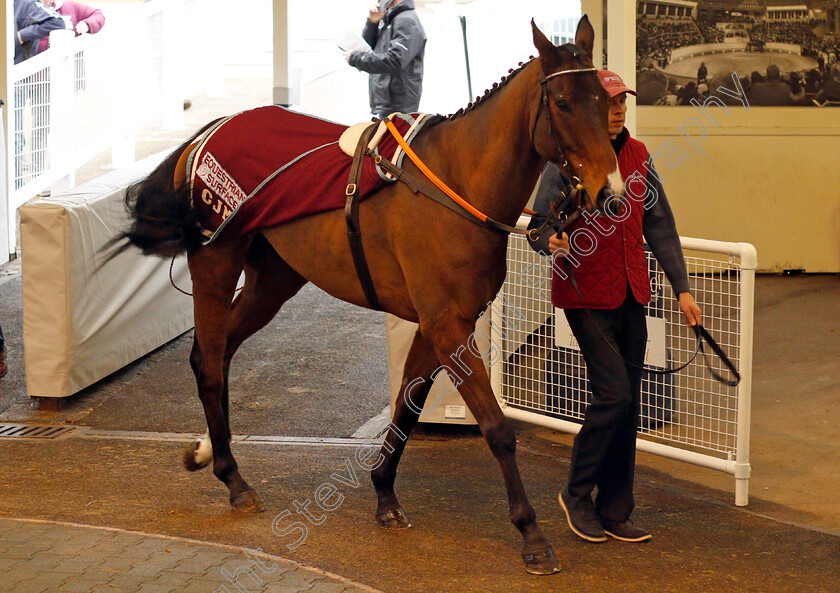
556	213
439	184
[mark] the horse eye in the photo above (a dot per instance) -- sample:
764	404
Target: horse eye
563	105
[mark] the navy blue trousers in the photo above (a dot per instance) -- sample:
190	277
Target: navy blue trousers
604	452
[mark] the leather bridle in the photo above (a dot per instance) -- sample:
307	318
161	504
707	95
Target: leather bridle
571	196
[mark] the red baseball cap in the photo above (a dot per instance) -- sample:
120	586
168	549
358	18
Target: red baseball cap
613	84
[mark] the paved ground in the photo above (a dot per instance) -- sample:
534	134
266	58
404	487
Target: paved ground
43	556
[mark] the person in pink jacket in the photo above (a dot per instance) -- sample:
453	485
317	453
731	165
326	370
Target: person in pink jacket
85	19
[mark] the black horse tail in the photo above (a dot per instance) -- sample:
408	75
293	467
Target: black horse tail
163	222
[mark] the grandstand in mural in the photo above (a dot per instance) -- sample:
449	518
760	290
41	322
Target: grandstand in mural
783	53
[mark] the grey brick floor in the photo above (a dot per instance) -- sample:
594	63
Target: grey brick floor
41	557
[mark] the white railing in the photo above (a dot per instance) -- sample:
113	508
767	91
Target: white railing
340	96
87	94
687	416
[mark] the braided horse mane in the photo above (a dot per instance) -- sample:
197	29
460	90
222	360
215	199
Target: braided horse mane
489	92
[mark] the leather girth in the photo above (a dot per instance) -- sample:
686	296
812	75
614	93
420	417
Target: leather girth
351	215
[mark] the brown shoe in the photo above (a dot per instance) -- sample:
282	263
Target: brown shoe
626	531
581	517
3	368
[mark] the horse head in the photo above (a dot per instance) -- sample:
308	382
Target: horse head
570	124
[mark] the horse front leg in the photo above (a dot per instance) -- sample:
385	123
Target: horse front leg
419	366
215	272
453	338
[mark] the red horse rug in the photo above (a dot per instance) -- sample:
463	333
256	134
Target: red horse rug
262	167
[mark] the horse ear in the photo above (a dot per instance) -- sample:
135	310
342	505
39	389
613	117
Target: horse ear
585	35
548	52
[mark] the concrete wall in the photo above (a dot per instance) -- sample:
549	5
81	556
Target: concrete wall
767	176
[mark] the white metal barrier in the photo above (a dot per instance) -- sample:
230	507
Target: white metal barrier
687	416
87	94
340	96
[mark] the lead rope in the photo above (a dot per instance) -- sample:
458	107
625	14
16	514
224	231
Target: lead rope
699	331
172	279
181	290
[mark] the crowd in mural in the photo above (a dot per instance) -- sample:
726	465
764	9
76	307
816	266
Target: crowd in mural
656	38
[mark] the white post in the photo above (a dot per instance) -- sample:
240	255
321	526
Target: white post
62	140
173	39
497	369
282	94
594	9
749	262
621	50
215	28
7	218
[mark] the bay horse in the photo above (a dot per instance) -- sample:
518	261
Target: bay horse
428	264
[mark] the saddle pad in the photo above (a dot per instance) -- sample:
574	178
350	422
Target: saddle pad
266	166
351	136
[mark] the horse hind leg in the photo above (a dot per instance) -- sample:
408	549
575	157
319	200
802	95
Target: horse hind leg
198	454
269	283
416	384
215	270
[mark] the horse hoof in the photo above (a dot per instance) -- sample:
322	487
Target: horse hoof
541	562
393	519
196	457
247	502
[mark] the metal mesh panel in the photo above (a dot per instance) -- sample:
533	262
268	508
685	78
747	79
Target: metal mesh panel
689	409
31	125
93	104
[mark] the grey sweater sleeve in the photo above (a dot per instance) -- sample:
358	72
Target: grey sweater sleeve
661	234
552	183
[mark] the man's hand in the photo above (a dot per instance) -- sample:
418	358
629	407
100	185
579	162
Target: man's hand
693	314
347	56
82	28
374	16
556	243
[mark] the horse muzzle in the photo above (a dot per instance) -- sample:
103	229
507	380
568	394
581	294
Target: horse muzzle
611	196
608	202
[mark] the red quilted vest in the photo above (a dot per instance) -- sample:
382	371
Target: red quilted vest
607	252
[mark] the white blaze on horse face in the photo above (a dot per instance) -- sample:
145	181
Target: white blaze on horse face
615	183
203	451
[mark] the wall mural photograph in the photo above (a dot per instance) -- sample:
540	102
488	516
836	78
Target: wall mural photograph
779	52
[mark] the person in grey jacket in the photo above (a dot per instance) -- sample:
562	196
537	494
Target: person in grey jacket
395	63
